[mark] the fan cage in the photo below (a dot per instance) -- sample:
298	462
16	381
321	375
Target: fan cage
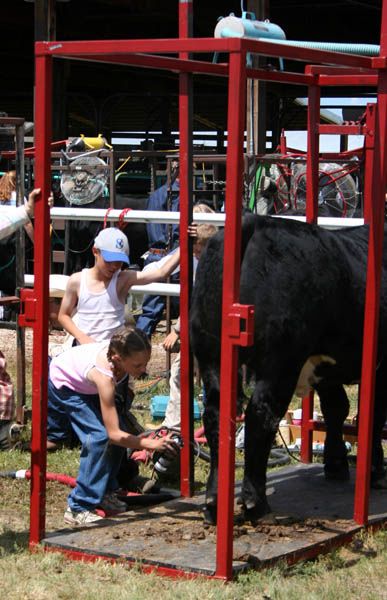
85	180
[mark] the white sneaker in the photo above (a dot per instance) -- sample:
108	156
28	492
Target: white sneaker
85	517
111	503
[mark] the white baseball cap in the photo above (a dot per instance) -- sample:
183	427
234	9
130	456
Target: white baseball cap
113	245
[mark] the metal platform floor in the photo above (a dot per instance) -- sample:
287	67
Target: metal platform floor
309	515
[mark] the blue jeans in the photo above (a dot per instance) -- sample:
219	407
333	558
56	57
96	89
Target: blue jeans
100	460
59	428
152	312
58	423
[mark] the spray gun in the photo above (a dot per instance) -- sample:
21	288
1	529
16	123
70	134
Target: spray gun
162	461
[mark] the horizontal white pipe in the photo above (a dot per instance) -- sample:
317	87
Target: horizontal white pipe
58	284
161	216
157	289
133	216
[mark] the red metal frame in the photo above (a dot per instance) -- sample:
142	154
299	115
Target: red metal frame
372	300
312	166
43	118
185	172
145	53
231	272
145	568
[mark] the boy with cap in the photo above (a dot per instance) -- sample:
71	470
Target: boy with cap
99	294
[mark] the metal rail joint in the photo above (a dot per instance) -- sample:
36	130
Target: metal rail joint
27	316
240	324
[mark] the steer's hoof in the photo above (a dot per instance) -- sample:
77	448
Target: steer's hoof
210	514
337	470
379	479
379	484
255	513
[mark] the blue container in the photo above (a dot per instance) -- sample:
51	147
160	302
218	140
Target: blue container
159	405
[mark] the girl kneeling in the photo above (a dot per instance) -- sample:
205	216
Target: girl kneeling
82	382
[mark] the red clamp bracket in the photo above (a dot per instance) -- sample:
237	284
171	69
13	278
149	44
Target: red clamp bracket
121	222
27	316
241	324
105	220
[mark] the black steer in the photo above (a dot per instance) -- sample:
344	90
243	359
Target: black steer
307	285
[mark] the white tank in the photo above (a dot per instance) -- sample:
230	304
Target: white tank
247	26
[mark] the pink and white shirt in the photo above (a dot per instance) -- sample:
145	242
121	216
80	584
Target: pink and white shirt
71	368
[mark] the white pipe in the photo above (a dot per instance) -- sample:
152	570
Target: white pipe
157	289
58	284
160	216
133	216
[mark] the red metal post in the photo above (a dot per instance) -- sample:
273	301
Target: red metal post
283	144
231	276
372	300
185	22
313	119
369	155
43	65
186	185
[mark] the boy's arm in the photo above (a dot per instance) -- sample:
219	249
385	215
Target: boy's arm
159	273
128	278
67	307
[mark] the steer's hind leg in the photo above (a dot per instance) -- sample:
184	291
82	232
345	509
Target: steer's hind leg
211	428
335	408
263	414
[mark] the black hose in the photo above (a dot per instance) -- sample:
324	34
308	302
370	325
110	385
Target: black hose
279	457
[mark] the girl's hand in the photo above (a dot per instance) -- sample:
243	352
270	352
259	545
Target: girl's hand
162	444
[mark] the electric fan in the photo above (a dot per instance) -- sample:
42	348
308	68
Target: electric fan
84	180
337	194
